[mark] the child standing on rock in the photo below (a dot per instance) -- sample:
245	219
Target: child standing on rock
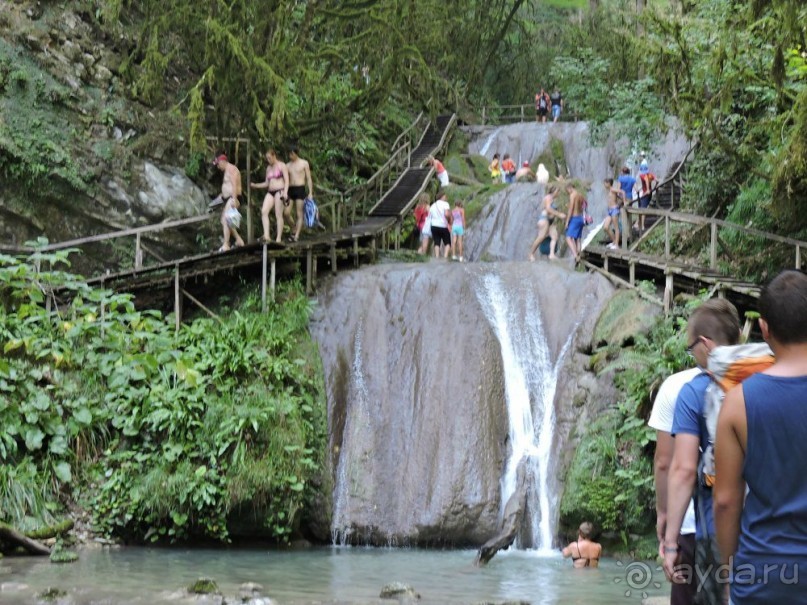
457	230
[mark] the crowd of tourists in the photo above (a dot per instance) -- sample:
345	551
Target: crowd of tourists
440	226
289	189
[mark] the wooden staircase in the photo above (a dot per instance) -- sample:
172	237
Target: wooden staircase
400	198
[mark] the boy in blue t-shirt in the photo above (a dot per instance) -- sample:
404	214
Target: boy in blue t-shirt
715	323
627	182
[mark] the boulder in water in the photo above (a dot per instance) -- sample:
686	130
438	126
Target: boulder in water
204	586
398	590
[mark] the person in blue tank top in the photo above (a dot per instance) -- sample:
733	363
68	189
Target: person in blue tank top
715	323
761	445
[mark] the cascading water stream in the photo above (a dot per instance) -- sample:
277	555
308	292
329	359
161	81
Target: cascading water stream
489	141
340	527
530	384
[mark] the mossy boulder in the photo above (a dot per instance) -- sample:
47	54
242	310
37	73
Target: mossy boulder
626	316
51	595
204	586
398	590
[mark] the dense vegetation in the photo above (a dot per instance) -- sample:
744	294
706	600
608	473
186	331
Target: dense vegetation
611	478
161	434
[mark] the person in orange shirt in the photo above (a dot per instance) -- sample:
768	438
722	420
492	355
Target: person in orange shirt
508	169
439	170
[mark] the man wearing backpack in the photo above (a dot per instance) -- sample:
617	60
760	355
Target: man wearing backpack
715	323
761	445
541	106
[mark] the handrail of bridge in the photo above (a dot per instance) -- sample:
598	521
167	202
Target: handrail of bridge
492	114
714	224
407	132
358	195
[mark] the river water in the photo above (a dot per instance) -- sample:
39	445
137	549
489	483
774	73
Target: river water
327	575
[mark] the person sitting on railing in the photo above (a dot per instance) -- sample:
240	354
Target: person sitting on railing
230	190
439	170
525	173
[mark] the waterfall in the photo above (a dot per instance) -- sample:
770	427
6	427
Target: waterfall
489	141
530	384
340	526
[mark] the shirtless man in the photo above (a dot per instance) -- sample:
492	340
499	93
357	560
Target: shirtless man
525	173
574	221
616	198
230	190
277	184
299	183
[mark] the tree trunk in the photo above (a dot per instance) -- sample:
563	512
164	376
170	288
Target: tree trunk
511	523
9	534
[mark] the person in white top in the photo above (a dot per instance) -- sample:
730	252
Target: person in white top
661	419
440	219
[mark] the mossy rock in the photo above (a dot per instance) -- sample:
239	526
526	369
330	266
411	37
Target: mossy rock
479	164
204	586
63	556
458	166
397	590
51	594
626	316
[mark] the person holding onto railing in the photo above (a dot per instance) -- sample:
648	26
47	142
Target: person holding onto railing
439	170
646	180
557	104
277	184
300	187
230	190
611	224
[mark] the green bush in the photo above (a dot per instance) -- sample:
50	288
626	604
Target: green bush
164	434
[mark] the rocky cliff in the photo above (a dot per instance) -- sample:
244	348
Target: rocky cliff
78	155
416	383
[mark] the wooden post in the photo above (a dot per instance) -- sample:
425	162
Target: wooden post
624	220
272	276
373	247
333	259
522	113
605	263
483	115
263	278
356	250
177	299
309	268
632	273
103	319
667	237
798	256
713	247
668	293
250	233
138	253
314	271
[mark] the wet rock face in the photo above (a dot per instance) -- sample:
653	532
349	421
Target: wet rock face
587	162
416	394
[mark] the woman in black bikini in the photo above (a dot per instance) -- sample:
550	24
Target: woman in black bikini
584	552
277	182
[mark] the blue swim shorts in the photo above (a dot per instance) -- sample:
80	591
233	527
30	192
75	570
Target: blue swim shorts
575	228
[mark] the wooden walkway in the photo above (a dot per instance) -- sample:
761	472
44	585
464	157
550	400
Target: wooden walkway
629	264
350	245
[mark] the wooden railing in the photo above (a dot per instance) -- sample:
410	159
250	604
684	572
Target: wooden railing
359	197
512	114
667	219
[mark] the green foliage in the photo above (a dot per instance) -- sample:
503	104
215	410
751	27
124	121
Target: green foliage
175	431
611	479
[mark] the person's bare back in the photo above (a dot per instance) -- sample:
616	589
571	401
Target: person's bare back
583	551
